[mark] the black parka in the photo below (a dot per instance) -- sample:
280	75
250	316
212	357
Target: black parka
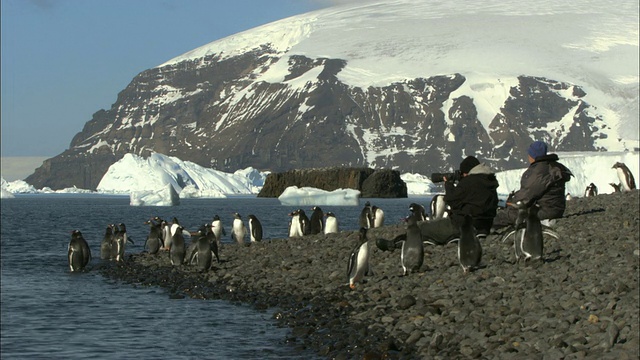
476	195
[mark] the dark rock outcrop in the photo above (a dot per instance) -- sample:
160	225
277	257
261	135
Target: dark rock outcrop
371	183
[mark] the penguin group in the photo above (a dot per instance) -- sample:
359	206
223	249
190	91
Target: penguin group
114	242
301	225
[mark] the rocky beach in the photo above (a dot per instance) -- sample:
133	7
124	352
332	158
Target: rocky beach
581	302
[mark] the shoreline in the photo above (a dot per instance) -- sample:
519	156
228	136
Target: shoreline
583	301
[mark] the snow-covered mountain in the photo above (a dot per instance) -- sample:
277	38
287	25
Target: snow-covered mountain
407	84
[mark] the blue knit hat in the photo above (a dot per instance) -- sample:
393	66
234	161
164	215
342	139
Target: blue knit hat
537	149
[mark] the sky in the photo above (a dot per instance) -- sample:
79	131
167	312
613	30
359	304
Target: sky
64	60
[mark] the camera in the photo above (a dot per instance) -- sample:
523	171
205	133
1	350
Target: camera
439	177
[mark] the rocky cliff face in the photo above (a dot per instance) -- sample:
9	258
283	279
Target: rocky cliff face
371	183
212	114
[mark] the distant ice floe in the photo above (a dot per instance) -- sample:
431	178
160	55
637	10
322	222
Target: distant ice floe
166	196
308	196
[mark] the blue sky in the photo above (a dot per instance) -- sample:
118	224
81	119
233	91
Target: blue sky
63	60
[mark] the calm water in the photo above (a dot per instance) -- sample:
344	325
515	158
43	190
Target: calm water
48	312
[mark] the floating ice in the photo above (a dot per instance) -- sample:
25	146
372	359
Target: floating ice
308	196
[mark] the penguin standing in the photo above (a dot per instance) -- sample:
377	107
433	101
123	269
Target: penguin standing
218	229
295	230
378	216
105	244
591	190
627	182
438	207
120	241
532	243
238	230
315	222
331	223
166	235
154	239
79	253
192	248
211	237
203	254
412	256
469	248
366	216
358	265
177	251
418	211
255	228
305	223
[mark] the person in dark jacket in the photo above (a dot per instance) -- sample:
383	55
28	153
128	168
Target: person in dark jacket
474	194
543	183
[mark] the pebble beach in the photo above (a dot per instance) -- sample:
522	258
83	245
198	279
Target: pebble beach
581	302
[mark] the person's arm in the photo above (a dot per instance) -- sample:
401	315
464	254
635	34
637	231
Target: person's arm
532	185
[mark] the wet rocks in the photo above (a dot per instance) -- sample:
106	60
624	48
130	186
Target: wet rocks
582	302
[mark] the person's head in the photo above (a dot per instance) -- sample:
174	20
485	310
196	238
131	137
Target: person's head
467	164
536	150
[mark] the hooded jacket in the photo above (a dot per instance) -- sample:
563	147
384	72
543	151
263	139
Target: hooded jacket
544	182
476	195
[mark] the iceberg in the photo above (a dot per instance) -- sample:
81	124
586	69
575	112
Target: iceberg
166	196
6	194
308	196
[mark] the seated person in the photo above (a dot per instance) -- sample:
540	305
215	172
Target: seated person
475	194
543	182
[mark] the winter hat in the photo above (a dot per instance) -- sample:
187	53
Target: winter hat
468	163
537	149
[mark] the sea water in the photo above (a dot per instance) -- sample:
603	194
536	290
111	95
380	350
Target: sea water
48	312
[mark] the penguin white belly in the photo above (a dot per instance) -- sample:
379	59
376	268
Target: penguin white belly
362	264
295	230
239	230
379	218
331	226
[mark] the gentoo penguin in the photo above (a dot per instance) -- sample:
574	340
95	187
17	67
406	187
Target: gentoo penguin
177	251
305	223
255	228
469	248
238	231
358	265
203	254
154	239
616	187
378	216
412	255
295	230
192	248
438	207
218	229
213	243
331	223
166	235
315	223
105	245
591	190
418	211
627	182
79	252
366	216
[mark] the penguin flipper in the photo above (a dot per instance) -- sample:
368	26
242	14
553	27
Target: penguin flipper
454	240
507	235
551	233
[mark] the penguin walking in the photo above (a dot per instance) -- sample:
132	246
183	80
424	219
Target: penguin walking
238	231
105	244
331	223
358	265
203	254
378	216
255	228
412	256
153	243
591	190
366	216
177	250
315	222
218	229
418	211
295	230
469	247
438	207
79	253
627	182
